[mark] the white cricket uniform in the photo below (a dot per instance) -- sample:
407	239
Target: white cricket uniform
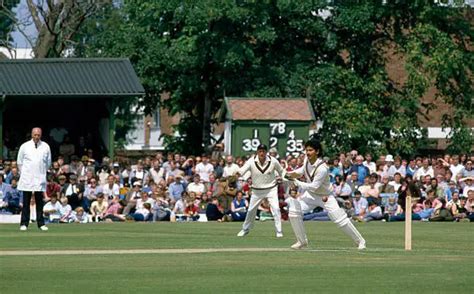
316	187
264	185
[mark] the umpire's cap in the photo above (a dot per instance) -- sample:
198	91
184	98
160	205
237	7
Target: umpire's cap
262	147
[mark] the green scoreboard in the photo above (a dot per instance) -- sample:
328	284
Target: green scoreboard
281	123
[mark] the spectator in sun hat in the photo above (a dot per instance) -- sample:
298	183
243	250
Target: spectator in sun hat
468	185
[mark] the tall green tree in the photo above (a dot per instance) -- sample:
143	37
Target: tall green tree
336	54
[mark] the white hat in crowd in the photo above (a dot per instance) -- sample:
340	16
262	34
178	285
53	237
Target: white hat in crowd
389	157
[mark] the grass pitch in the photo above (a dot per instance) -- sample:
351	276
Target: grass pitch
442	260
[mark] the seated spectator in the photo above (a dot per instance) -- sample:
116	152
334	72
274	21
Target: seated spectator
374	213
103	174
468	170
51	210
98	208
468	185
372	193
132	197
176	189
157	172
90	194
65	210
111	189
204	202
360	205
386	187
353	181
73	191
341	188
62	182
450	190
396	183
457	208
348	208
142	214
145	198
424	213
230	191
365	186
13	198
411	168
397	167
361	170
79	216
161	209
52	186
138	174
196	186
204	168
113	212
470	205
441	213
191	211
239	207
438	191
265	210
316	216
392	208
214	212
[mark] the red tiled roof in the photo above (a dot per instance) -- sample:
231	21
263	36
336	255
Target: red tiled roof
270	109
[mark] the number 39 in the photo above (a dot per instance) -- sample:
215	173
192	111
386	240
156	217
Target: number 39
250	144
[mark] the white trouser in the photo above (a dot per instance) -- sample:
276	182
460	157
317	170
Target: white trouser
257	197
307	203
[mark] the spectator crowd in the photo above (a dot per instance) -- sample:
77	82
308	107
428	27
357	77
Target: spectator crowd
176	187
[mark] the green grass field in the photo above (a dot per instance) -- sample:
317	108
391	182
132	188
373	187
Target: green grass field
442	259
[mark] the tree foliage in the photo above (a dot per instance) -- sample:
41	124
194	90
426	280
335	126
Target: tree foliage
338	55
7	21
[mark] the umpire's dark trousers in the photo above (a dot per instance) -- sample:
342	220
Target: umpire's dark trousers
25	211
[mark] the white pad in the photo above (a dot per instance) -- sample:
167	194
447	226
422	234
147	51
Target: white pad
294	207
351	230
339	217
298	228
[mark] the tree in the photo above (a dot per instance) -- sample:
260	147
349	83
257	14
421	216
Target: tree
7	20
199	51
56	22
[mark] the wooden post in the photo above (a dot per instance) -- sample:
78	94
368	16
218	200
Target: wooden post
2	106
408	221
111	108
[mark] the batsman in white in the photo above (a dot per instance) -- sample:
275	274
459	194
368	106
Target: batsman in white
317	192
263	169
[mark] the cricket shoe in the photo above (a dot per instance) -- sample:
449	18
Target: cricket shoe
279	235
298	245
43	228
242	233
23	228
362	245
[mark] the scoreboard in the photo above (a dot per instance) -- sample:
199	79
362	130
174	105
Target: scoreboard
287	137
